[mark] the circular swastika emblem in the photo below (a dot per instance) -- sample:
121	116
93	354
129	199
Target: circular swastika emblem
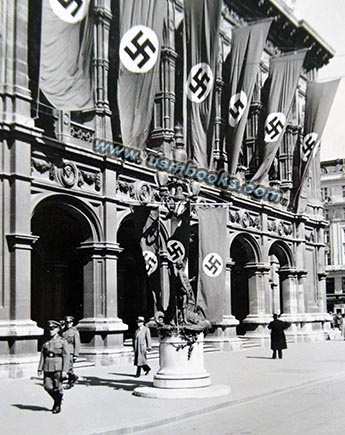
237	106
139	48
70	11
199	82
309	143
151	262
212	264
175	250
274	126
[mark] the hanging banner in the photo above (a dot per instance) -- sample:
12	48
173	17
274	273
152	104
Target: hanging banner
146	220
246	50
141	26
213	248
201	46
280	87
319	99
66	55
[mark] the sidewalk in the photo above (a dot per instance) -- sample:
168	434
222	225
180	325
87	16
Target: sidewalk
102	401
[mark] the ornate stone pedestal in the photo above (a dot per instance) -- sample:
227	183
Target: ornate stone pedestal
182	373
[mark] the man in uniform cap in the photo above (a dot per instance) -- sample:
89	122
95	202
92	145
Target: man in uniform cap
71	334
142	344
54	362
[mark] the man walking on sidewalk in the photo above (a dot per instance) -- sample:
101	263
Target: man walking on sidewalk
71	334
142	344
54	363
278	340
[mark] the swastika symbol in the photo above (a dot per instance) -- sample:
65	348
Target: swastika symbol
199	83
200	80
151	262
274	126
309	143
175	250
237	106
139	49
212	264
67	3
70	11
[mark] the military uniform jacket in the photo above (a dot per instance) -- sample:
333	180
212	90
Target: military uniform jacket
73	339
54	356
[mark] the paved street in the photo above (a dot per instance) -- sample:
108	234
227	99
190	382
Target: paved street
299	394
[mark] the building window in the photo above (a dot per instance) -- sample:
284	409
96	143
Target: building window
326	237
327	214
324	193
329	285
328	258
343	283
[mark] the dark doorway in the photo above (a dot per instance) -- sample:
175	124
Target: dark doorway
239	282
134	295
57	271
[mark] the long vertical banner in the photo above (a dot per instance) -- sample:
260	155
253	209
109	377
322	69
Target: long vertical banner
146	220
281	86
66	54
319	99
246	51
212	261
201	39
141	25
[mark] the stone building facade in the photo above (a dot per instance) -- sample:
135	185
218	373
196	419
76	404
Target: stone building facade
67	236
333	196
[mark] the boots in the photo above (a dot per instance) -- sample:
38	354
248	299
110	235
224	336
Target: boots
57	403
72	379
138	372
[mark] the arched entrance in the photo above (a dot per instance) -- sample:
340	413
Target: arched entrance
243	253
57	271
134	295
280	257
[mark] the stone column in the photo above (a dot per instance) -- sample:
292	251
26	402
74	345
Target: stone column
289	291
103	17
259	289
18	333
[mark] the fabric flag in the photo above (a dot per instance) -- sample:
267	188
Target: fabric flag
66	54
141	26
319	99
212	262
280	86
246	51
178	251
201	40
146	220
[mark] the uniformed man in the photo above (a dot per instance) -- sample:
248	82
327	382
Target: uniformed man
71	334
54	363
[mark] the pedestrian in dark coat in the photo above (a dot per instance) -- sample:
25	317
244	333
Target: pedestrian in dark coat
54	362
71	334
142	344
278	340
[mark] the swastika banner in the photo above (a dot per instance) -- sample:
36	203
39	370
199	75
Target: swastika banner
278	94
66	54
146	221
213	248
244	62
319	99
141	26
201	40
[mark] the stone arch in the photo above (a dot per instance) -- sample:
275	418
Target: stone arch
245	257
63	224
137	295
282	267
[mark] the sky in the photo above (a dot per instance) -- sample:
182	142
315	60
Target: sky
327	17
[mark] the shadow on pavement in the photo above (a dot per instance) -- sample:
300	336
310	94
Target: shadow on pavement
259	357
94	381
129	375
30	407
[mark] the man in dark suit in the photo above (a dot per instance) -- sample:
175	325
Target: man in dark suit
54	363
142	344
278	340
